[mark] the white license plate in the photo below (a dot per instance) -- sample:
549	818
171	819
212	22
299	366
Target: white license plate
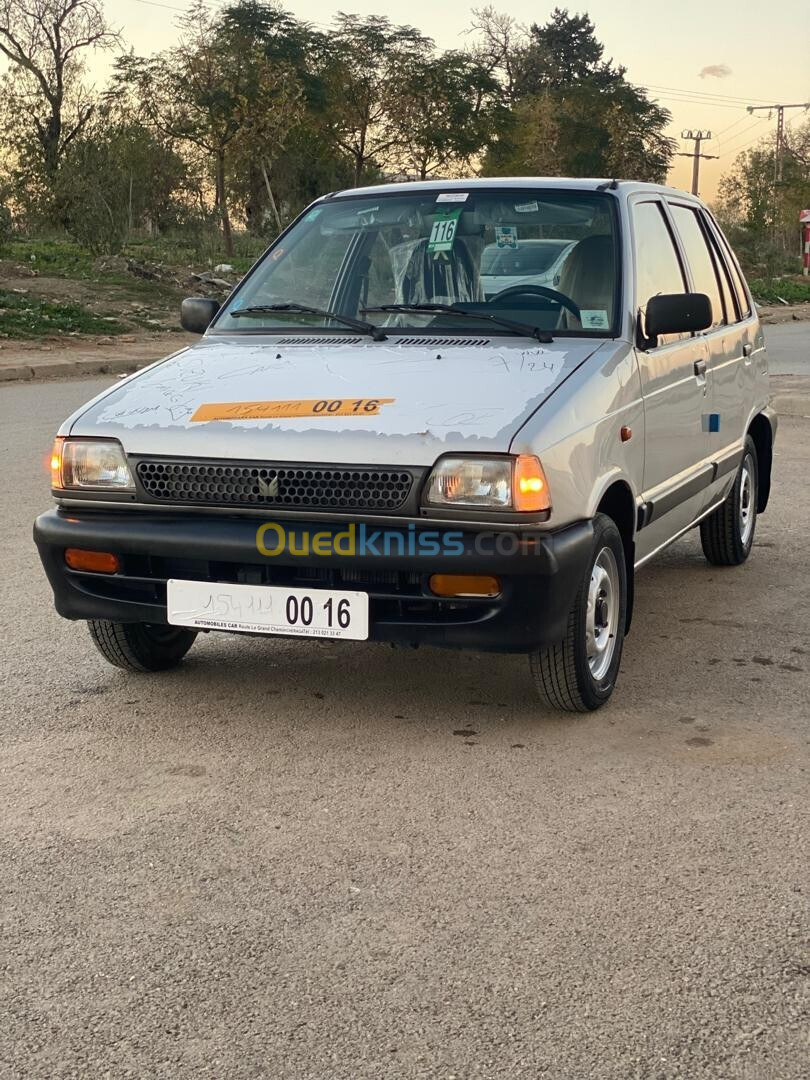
266	609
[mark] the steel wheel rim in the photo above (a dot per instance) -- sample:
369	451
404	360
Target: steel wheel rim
602	613
747	501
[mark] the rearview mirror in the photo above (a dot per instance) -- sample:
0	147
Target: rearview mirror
677	313
197	313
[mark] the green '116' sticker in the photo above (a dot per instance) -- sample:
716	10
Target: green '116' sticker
444	228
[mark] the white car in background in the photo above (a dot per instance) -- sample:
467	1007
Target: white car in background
531	262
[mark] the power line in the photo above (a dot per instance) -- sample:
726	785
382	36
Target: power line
705	94
720	134
742	134
693	101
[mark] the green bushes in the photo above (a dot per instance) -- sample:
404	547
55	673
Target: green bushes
793	290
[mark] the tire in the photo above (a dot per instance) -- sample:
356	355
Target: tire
141	646
564	676
727	535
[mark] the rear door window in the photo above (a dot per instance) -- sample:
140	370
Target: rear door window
704	275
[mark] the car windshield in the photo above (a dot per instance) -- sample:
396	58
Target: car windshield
545	259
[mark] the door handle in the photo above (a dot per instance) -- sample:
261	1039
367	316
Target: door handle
748	352
700	369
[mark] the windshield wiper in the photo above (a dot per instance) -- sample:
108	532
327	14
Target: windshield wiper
377	334
542	336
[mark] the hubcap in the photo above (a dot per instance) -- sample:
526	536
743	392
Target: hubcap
747	501
602	614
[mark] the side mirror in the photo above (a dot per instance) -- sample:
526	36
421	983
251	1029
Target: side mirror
677	313
197	313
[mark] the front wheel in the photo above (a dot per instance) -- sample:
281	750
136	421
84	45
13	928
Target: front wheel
727	535
578	674
141	646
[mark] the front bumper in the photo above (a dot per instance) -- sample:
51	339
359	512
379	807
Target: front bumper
540	574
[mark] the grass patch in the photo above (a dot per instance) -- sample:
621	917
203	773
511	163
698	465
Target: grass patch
794	290
25	316
62	258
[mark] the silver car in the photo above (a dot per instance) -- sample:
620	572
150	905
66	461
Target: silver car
363	444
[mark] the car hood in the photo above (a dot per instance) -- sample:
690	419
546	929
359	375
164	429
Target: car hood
439	396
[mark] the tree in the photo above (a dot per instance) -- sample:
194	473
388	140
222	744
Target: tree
760	216
563	54
499	47
574	113
45	41
442	111
116	177
217	91
368	57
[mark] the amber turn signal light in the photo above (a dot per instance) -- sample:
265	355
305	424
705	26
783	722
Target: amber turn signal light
56	464
99	562
464	585
530	485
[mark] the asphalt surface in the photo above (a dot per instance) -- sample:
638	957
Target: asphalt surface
318	861
788	348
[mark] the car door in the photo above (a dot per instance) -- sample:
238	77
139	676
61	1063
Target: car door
728	351
735	383
675	390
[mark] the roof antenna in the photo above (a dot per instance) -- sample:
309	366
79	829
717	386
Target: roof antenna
609	185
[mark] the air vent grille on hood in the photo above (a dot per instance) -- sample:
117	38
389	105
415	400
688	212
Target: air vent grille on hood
320	341
393	342
432	342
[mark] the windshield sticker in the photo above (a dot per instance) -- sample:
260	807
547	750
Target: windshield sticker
278	410
443	232
594	319
453	196
313	213
506	236
526	208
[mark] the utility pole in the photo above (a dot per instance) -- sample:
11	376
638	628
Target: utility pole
779	152
697	137
779	156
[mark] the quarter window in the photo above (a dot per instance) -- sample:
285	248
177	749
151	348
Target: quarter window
699	258
731	263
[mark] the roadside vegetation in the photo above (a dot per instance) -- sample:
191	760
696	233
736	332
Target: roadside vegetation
120	199
23	316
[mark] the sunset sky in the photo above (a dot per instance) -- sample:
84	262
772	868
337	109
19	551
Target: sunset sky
758	57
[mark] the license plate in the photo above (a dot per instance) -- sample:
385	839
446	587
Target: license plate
266	609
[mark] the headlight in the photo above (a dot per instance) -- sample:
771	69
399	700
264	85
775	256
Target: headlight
94	464
505	483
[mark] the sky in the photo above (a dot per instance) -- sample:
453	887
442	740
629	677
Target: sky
704	60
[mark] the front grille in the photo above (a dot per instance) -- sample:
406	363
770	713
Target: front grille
212	484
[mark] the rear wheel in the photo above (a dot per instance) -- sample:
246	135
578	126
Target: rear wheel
727	535
579	673
141	646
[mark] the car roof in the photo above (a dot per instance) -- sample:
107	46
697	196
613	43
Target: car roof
622	188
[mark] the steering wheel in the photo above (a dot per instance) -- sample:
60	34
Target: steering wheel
537	290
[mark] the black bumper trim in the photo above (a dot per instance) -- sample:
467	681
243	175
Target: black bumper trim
539	579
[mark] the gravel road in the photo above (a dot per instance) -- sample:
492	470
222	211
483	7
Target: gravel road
326	861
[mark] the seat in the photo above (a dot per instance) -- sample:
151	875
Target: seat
440	277
588	278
